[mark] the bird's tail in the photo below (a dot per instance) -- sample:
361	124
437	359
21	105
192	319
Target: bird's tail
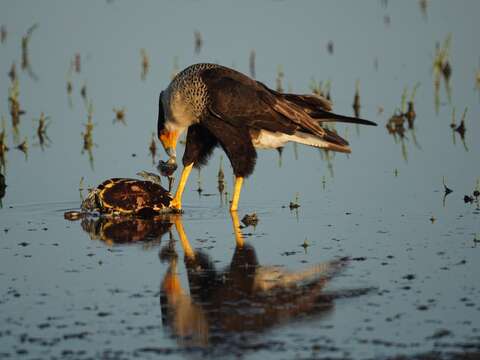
319	109
327	116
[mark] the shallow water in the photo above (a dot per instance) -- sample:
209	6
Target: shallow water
408	279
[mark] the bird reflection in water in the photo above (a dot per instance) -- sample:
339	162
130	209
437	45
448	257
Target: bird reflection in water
227	308
224	309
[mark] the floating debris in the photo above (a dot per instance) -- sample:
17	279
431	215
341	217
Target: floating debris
73	215
250	220
119	116
305	245
294	204
468	199
476	238
198	42
279	79
251	62
3	33
145	64
25	54
43	123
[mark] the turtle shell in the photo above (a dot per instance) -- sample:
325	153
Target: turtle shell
131	196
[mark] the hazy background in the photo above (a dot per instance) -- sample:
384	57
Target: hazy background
390	198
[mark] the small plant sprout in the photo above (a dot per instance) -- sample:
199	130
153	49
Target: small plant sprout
145	64
251	62
447	190
356	99
198	42
43	123
153	148
119	116
279	79
3	33
221	177
15	108
12	74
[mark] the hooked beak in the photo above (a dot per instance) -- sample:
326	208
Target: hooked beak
169	142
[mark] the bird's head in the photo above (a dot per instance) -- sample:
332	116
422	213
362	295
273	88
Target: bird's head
168	132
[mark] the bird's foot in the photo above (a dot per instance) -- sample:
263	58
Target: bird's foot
176	205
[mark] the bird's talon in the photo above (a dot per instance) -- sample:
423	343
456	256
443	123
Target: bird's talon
175	204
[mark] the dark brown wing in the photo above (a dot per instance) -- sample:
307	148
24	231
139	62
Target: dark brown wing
318	107
240	101
243	102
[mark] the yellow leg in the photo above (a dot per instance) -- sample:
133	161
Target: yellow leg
171	282
236	193
236	229
176	203
187	248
